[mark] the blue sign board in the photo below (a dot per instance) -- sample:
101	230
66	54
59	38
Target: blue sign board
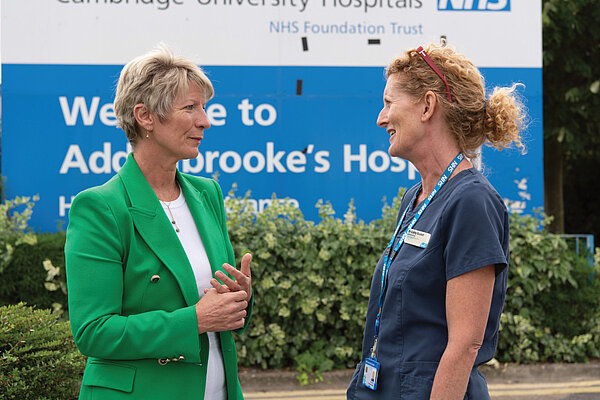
303	128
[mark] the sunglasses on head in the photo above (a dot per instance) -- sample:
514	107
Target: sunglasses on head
435	69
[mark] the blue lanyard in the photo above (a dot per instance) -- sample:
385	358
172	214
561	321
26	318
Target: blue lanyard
390	253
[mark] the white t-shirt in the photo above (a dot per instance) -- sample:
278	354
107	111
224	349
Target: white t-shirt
189	237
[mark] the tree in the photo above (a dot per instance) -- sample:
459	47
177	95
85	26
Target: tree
571	80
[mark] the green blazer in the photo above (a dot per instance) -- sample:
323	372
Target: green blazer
132	291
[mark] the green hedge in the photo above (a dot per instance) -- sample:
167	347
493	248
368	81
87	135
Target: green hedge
311	283
14	215
552	310
24	278
38	358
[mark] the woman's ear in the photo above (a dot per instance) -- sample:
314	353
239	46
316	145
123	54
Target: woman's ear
143	116
429	106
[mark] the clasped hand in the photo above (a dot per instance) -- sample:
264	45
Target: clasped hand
223	306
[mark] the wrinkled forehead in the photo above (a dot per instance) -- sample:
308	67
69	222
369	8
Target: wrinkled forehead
394	84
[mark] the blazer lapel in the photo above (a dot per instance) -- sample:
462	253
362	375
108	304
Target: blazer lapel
206	222
156	230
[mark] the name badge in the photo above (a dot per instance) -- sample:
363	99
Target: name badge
417	238
371	372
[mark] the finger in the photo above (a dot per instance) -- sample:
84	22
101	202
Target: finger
245	269
238	315
241	305
230	283
239	296
239	323
226	280
237	275
235	310
220	288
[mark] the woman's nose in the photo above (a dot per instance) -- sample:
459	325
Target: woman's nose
382	118
202	120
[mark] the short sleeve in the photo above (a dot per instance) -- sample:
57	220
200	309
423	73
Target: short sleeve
476	229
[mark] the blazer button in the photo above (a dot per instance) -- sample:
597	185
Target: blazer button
155	278
163	361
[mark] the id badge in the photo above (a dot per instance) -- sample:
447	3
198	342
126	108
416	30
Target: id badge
417	238
371	373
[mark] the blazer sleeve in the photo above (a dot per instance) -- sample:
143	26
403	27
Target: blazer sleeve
230	255
94	254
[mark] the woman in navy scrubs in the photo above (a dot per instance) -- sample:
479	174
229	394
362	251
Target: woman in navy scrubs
438	290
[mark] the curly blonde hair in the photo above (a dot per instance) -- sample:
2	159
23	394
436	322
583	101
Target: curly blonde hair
155	79
473	120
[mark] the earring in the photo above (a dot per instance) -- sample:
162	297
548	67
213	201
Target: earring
147	134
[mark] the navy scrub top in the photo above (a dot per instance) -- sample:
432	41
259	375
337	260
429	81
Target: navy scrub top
468	223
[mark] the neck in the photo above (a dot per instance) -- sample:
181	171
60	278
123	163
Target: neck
433	152
161	175
433	164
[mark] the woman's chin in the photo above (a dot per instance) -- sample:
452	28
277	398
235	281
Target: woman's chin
393	152
190	155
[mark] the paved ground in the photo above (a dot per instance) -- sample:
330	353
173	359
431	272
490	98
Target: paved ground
506	382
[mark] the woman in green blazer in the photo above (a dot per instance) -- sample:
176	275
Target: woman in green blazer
144	249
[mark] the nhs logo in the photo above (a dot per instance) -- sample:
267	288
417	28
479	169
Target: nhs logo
474	5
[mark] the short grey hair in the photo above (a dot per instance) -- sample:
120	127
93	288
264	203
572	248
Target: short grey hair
155	79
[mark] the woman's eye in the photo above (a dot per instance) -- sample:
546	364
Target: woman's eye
189	107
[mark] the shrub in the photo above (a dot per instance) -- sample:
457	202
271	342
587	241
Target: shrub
551	311
311	283
24	278
13	226
577	299
38	358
